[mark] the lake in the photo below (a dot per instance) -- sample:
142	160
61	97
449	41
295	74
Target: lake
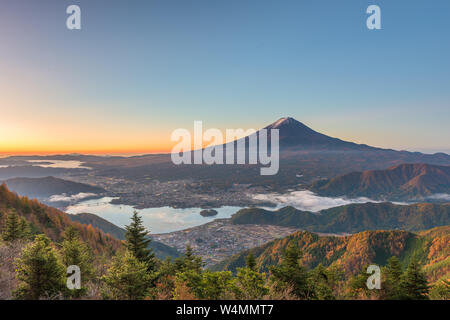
157	220
167	219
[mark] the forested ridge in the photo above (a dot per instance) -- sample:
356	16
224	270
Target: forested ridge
52	222
351	253
352	217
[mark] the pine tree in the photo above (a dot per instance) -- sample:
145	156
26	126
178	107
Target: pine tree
291	274
250	262
321	283
25	232
71	234
127	279
250	284
189	262
40	271
357	286
441	290
76	252
392	289
15	228
217	285
414	282
137	242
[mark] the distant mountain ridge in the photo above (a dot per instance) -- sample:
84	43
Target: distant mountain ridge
49	186
401	182
352	218
352	253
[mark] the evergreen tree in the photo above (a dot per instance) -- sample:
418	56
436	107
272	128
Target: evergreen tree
15	228
189	284
40	271
357	286
165	280
71	234
441	290
76	252
179	276
189	262
137	242
25	230
217	285
250	262
189	275
291	274
414	282
127	278
321	283
205	285
391	284
250	284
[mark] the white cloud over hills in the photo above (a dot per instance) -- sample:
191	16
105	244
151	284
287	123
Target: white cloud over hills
308	201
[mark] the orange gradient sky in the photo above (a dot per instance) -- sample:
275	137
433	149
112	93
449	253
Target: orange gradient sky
125	82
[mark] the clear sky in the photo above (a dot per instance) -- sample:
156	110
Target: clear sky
140	69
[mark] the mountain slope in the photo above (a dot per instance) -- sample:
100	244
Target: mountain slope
352	218
293	133
405	181
52	222
48	186
353	252
100	223
160	249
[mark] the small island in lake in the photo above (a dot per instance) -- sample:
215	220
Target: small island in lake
208	213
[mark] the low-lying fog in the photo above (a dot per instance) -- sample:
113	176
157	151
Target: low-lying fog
308	201
70	198
66	164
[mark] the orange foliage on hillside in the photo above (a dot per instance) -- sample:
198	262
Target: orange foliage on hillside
52	222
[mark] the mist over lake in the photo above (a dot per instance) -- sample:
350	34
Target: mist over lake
168	219
309	201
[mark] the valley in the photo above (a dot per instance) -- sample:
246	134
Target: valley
220	239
